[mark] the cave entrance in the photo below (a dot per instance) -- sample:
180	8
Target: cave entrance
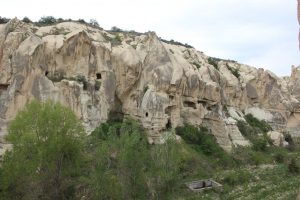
169	125
98	76
3	87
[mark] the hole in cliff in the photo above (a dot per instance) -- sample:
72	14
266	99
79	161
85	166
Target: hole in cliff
147	114
98	75
3	86
169	125
189	104
46	73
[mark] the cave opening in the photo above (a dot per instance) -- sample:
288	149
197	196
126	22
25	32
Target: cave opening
98	76
46	73
147	114
169	125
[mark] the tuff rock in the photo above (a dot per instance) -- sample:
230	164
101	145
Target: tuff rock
104	75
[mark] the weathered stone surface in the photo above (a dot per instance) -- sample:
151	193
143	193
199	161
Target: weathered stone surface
102	75
276	137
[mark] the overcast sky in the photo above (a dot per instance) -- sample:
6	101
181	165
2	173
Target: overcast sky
261	33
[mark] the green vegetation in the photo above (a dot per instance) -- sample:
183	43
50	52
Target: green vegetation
97	85
171	51
173	42
116	40
4	20
214	62
46	156
26	20
255	131
234	71
52	159
197	65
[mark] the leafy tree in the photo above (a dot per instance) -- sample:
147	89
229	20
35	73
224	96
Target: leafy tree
3	20
26	20
45	21
46	155
94	22
125	166
119	153
116	29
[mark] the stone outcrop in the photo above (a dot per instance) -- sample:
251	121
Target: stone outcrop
104	75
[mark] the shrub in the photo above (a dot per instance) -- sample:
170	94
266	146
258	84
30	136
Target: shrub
26	20
197	65
124	166
94	22
247	131
234	71
4	20
237	177
293	167
257	158
82	21
214	62
116	40
280	156
45	21
260	144
82	79
261	124
115	29
97	85
202	141
47	153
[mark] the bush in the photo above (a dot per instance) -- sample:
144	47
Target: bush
197	65
116	40
97	85
237	177
293	167
4	20
280	156
202	141
26	20
260	144
82	79
261	124
124	166
47	153
257	158
115	29
234	71
214	62
255	131
45	21
94	22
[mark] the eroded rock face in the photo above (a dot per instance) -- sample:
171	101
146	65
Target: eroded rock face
102	76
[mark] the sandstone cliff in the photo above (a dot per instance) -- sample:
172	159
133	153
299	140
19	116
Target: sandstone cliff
103	75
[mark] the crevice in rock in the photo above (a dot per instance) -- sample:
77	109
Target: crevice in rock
189	104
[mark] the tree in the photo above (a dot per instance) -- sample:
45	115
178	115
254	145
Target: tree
3	20
46	155
116	29
94	22
26	20
48	20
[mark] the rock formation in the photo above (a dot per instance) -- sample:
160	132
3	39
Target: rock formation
104	75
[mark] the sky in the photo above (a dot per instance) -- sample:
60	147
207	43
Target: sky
260	33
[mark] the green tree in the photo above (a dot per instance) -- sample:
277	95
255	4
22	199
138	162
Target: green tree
119	159
46	155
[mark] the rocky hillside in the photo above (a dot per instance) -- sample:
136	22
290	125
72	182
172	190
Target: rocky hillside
104	75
